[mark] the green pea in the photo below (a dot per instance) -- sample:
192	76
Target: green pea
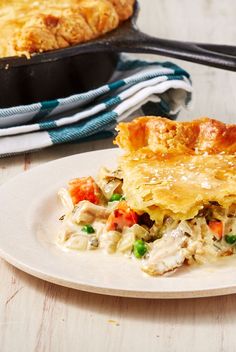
88	229
139	249
116	197
230	239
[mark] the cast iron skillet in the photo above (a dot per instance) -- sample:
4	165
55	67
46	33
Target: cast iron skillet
53	75
63	72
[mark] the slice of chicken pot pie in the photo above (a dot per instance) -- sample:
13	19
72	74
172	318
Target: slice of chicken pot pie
172	200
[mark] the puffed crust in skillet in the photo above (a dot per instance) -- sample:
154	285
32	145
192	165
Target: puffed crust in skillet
30	28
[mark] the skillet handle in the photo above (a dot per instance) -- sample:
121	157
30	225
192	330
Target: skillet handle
134	41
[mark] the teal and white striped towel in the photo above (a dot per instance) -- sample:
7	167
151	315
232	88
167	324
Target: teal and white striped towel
137	87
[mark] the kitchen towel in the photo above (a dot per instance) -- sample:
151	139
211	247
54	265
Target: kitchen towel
136	88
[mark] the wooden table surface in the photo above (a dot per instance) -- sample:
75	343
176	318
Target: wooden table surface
39	316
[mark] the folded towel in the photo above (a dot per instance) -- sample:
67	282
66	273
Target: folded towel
136	88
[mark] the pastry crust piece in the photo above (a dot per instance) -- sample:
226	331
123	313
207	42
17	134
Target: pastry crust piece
71	26
124	8
177	168
150	135
29	27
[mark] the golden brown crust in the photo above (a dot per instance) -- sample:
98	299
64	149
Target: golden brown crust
150	135
124	8
58	24
177	168
178	186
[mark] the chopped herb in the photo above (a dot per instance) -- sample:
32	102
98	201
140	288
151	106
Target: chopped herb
62	217
93	243
88	229
187	234
218	248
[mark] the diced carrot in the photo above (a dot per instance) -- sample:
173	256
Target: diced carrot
122	216
84	188
217	228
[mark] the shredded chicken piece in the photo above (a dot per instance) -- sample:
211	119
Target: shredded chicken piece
66	200
87	212
167	253
109	241
109	181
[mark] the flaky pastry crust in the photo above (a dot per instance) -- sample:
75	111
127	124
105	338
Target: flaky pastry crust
29	27
175	169
149	135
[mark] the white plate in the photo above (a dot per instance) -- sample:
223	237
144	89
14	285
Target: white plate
29	224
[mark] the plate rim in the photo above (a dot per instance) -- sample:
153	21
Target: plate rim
185	294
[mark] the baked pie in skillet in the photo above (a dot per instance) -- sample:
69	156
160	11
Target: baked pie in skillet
29	27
